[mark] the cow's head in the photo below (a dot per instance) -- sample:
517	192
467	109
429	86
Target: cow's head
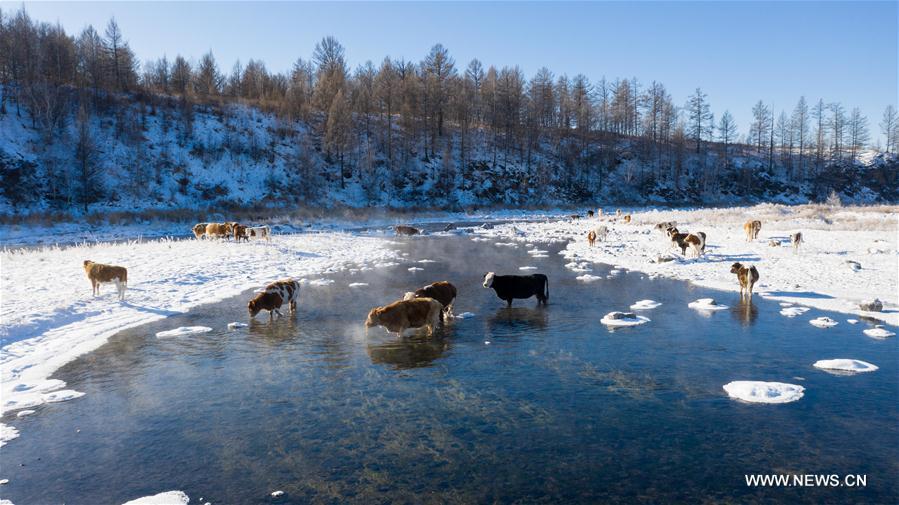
374	317
253	308
735	268
488	279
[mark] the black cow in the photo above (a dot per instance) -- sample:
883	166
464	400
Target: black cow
509	287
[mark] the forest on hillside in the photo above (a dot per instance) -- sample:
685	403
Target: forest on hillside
88	126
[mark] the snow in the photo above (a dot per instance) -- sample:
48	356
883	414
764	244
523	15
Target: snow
415	269
166	498
7	433
235	325
793	311
357	284
764	392
816	276
166	277
588	278
706	304
845	365
823	322
878	332
465	315
183	331
623	319
277	494
23	413
645	305
527	268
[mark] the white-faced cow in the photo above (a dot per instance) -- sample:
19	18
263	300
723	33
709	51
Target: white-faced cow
510	287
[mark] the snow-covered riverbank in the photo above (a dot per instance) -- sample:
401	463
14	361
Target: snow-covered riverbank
820	275
49	316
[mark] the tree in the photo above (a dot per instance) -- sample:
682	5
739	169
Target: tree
800	121
439	68
208	80
331	73
858	133
838	129
889	126
122	62
727	134
700	123
89	184
761	124
338	130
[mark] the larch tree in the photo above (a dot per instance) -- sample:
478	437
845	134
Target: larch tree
889	126
699	118
760	127
727	135
800	121
858	133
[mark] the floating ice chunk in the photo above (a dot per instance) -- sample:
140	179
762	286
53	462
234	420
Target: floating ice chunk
23	413
426	261
537	251
358	284
540	256
786	304
61	396
706	304
793	311
506	244
623	319
845	365
182	331
574	266
236	324
823	322
415	269
527	268
465	315
588	278
878	332
852	321
645	305
764	392
277	494
4	482
7	433
614	272
166	498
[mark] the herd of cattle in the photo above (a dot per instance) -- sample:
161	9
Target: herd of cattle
431	304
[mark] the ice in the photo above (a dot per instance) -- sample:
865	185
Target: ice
183	331
764	392
527	268
23	413
878	332
61	396
277	494
588	278
623	319
166	498
823	322
845	365
236	324
852	321
7	433
706	304
793	311
465	315
645	305
415	269
358	284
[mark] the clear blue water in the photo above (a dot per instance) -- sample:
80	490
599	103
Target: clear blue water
556	408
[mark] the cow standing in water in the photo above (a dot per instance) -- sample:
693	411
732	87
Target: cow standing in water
510	287
274	296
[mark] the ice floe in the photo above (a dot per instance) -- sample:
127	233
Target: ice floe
764	392
706	304
845	365
7	433
878	332
23	413
645	305
182	331
823	322
358	284
415	269
852	321
793	311
527	268
236	324
623	319
166	498
465	315
588	278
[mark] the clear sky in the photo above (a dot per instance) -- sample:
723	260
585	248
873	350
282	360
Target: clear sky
738	52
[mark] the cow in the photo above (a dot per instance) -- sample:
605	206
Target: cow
752	228
219	230
509	287
702	237
199	230
678	240
406	230
747	276
627	219
443	291
589	213
98	274
617	212
240	232
664	226
796	240
591	238
274	296
574	216
601	233
404	314
696	243
261	232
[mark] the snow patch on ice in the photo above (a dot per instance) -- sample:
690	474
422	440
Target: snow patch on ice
878	332
182	331
764	392
645	305
465	315
706	304
588	278
415	269
845	365
7	433
623	319
166	498
793	311
236	324
527	268
23	413
823	322
358	284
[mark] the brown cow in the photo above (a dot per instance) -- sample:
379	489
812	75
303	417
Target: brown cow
627	219
591	238
796	240
752	228
747	276
404	314
406	230
199	230
443	291
273	296
240	232
99	273
219	230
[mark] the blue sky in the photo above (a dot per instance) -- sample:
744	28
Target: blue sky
738	52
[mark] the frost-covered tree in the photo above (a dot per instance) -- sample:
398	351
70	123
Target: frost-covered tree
889	126
727	134
699	118
858	133
761	124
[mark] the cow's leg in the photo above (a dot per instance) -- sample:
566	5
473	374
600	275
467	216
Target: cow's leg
508	303
279	312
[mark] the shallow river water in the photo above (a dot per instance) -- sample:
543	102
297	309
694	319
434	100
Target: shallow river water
524	405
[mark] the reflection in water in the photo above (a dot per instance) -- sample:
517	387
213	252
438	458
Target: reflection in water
408	352
516	319
745	312
278	330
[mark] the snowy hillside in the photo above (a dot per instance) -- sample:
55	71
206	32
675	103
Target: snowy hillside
161	154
